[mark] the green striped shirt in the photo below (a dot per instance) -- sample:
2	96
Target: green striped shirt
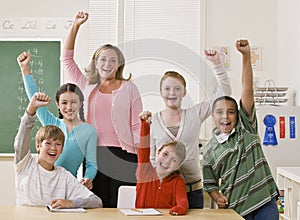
247	181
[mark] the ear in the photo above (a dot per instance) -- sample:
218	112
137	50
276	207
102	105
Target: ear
177	168
57	105
37	147
184	92
95	63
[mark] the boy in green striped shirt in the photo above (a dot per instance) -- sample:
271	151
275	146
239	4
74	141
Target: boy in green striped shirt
236	173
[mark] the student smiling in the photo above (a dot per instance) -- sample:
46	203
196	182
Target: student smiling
234	155
160	186
175	123
81	138
38	181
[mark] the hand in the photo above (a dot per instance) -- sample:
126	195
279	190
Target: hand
87	182
243	46
23	61
38	100
177	210
146	115
61	204
222	202
80	18
213	56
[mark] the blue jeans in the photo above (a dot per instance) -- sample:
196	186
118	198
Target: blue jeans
195	199
268	211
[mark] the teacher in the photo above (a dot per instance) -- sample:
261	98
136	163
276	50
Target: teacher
112	105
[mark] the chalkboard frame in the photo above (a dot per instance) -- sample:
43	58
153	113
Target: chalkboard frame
59	43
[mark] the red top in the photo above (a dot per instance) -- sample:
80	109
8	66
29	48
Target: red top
150	192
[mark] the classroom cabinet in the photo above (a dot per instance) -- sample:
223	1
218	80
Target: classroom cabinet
288	179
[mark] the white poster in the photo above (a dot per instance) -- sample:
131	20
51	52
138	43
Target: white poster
256	58
224	52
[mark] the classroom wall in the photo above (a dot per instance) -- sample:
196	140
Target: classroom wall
267	24
289	45
7	183
227	21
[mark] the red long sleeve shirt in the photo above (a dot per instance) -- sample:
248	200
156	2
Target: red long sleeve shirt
151	193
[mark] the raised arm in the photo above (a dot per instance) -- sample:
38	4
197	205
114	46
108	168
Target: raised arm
247	76
144	149
224	86
223	83
213	56
39	99
24	61
31	88
80	18
22	140
71	69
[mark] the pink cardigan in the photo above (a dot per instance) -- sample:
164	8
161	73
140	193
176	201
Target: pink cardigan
126	106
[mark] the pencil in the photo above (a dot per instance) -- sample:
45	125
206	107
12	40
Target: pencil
137	210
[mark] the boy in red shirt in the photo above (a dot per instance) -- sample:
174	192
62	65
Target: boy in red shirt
160	186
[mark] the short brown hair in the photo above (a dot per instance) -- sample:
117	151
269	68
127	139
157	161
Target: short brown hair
49	132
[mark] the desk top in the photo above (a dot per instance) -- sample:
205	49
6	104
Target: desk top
34	213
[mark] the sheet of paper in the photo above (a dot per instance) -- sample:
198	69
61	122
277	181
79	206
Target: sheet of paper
145	211
65	210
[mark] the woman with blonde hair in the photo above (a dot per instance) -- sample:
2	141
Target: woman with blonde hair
112	106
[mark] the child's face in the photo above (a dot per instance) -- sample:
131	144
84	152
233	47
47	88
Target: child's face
225	115
107	64
69	105
166	161
172	92
49	151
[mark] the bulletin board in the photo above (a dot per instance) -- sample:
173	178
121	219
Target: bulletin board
46	70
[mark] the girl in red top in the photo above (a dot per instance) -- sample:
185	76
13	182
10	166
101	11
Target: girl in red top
160	186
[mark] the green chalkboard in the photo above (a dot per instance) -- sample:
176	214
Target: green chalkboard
46	70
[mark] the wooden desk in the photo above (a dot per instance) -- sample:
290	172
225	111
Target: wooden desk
37	213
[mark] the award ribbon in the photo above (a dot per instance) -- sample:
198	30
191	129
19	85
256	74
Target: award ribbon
270	135
292	127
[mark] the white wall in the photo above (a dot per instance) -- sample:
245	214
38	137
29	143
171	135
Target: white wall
7	183
289	44
255	20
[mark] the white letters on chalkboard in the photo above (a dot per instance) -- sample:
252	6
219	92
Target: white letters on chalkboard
34	26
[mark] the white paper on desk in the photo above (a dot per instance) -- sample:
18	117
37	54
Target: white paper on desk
65	210
147	211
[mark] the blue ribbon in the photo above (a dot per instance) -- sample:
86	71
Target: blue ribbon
292	127
270	135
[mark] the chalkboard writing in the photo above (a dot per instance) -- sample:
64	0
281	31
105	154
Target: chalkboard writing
45	68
